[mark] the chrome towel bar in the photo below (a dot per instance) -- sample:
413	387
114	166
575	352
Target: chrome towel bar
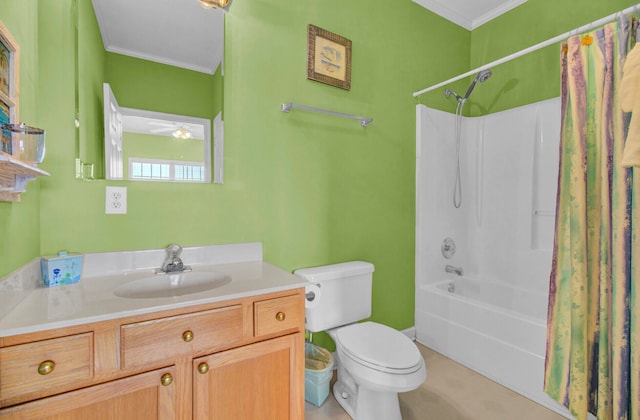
364	121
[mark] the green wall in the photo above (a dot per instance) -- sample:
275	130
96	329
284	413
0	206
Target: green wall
63	200
91	59
20	222
313	188
322	189
534	77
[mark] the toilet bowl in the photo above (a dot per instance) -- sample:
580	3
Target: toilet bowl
375	361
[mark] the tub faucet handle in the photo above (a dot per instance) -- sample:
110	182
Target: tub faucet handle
448	248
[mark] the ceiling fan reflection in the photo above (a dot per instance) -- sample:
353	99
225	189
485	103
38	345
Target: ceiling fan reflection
177	131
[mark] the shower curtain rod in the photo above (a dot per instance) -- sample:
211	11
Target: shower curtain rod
533	48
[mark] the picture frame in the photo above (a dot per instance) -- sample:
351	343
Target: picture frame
328	58
5	135
9	92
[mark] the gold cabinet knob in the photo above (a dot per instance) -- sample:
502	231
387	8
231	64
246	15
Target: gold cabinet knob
46	367
187	336
280	316
166	379
203	368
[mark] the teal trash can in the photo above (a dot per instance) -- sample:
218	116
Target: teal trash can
317	373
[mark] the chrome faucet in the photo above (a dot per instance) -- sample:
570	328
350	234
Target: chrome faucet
451	269
172	263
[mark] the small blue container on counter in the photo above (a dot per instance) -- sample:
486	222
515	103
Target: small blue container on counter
61	269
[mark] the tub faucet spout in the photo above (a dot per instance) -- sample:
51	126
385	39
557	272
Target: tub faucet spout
451	269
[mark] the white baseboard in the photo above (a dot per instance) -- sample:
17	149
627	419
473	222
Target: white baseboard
410	332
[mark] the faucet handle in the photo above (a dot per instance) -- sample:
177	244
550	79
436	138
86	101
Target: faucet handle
174	250
448	248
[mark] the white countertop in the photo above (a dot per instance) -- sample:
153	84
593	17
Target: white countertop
92	299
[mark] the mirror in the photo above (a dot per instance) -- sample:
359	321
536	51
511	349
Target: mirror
144	145
150	66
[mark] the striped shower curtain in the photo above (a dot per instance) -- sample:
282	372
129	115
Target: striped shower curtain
593	325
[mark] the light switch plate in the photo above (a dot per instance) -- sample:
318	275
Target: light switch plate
116	200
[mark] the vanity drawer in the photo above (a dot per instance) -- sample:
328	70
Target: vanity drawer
58	364
167	338
282	314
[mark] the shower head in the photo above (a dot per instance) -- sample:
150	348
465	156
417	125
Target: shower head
484	75
480	77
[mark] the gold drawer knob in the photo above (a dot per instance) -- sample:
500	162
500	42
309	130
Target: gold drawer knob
280	316
46	367
203	368
187	336
166	379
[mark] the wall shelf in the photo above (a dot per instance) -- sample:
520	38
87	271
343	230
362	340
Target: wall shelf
14	175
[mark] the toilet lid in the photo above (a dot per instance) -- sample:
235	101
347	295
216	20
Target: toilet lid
379	345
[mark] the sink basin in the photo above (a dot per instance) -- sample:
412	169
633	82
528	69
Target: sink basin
170	285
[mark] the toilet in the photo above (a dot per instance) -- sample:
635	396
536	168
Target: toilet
375	362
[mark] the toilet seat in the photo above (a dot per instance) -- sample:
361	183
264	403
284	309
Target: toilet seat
379	347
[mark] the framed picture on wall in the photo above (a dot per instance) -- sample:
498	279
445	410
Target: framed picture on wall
9	59
328	58
5	135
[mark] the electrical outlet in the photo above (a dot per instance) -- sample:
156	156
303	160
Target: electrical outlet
116	200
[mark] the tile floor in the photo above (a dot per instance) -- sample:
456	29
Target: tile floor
451	392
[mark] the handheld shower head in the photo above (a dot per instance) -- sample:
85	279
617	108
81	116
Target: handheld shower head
480	77
484	75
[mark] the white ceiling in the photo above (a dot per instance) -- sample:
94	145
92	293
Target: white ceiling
145	125
175	32
469	13
183	34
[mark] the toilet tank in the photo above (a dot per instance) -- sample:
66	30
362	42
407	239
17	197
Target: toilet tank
343	294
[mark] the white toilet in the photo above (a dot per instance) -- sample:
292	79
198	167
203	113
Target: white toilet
375	362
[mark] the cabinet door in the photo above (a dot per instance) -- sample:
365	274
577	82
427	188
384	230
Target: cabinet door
148	395
260	381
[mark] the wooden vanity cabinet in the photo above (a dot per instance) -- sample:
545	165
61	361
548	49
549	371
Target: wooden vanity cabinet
150	395
236	359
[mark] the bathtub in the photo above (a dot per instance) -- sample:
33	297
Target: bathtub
495	329
518	302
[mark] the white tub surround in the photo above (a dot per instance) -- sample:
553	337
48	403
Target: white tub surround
495	321
92	299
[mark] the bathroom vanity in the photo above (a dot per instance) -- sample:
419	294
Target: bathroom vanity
233	352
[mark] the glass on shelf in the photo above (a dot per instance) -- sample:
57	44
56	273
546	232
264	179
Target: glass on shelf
28	143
